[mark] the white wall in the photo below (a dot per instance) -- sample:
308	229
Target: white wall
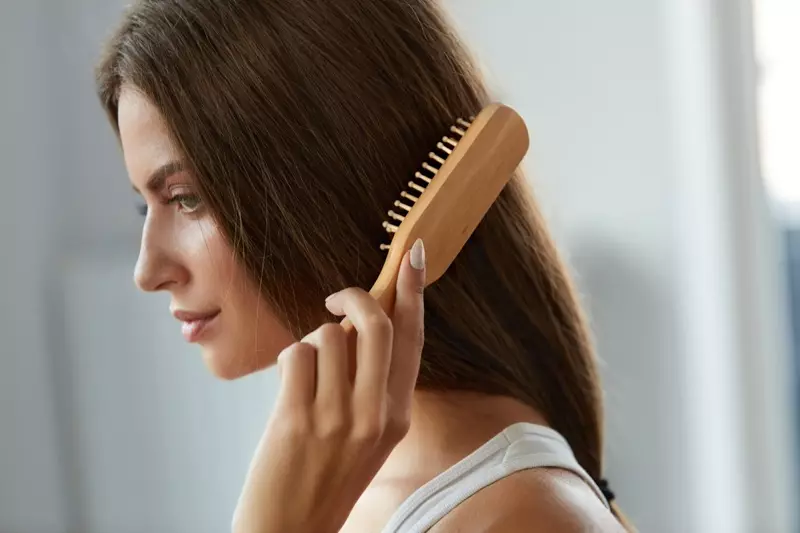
629	103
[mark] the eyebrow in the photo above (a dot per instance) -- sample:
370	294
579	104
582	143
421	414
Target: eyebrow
156	180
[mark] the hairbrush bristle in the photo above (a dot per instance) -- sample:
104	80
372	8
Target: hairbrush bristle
423	177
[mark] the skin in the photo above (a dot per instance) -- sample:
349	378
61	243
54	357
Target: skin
338	454
183	252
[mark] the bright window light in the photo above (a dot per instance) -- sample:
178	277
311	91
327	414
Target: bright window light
777	25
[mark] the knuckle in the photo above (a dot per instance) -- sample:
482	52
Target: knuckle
286	352
398	425
331	332
334	411
369	430
298	349
379	323
297	425
297	355
355	290
333	425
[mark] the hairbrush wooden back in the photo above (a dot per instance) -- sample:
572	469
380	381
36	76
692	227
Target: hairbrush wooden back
449	197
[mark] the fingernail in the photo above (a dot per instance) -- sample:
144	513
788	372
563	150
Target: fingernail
418	255
330	296
332	306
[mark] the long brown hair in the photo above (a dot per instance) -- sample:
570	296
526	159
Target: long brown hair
302	120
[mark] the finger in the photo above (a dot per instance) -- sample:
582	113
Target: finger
298	370
373	342
409	325
333	382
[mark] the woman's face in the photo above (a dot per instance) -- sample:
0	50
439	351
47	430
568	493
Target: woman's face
184	253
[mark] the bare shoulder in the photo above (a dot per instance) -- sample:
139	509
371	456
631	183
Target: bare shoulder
533	501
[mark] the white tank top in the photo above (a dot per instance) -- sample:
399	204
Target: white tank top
518	447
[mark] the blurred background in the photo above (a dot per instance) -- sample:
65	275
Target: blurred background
664	154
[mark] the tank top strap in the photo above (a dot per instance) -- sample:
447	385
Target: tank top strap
518	447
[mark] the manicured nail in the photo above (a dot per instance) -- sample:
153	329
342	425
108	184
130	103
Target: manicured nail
333	305
418	255
330	296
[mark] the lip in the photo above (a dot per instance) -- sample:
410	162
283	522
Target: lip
195	325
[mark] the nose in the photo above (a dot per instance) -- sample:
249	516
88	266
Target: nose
158	266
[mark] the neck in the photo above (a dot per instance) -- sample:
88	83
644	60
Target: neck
448	426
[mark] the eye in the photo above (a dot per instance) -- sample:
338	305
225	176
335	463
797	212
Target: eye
187	203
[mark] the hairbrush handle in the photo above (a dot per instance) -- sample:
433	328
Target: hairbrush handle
450	196
463	180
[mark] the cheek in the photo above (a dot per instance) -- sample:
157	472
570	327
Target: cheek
214	269
222	268
252	335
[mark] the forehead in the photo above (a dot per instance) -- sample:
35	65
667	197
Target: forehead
146	143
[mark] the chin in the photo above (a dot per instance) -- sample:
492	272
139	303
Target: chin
228	367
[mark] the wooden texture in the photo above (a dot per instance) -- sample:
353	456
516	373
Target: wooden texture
457	199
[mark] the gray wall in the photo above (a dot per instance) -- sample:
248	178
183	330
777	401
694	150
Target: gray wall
642	153
30	477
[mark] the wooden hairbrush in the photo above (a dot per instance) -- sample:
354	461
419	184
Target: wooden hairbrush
450	195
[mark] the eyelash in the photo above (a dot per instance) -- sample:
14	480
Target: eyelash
177	199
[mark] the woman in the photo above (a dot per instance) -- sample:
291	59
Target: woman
267	139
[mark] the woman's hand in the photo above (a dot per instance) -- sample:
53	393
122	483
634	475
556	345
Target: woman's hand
333	427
